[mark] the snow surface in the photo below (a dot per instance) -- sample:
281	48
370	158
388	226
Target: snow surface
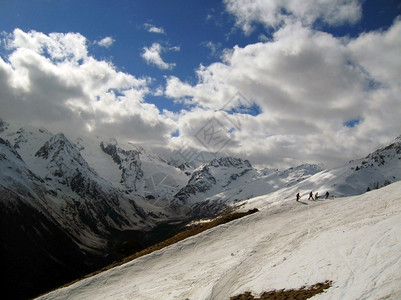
353	241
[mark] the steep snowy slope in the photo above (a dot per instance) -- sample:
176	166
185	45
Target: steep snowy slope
376	170
67	190
265	182
33	244
13	170
352	241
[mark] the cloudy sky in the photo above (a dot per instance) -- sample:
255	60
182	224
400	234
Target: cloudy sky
280	82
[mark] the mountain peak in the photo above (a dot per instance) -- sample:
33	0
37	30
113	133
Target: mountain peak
3	125
54	146
389	151
230	162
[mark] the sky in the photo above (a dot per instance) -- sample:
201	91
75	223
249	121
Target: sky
277	82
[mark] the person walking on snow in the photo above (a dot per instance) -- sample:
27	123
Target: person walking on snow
311	196
316	195
327	195
298	197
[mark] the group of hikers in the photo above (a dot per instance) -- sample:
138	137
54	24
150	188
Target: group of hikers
311	196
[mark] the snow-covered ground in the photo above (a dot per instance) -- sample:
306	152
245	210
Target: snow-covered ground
353	241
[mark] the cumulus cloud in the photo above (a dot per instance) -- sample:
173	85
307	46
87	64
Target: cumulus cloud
321	98
106	42
152	55
274	13
56	46
52	81
153	29
384	48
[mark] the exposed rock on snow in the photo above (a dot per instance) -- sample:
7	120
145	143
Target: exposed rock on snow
217	175
129	163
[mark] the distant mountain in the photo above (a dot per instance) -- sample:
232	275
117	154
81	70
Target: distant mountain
214	177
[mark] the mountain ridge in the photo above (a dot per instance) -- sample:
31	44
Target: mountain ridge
98	191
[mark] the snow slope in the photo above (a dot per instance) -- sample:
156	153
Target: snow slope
353	241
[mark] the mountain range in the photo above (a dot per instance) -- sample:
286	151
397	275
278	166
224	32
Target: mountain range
67	202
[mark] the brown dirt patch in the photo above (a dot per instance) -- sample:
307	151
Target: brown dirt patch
191	231
302	293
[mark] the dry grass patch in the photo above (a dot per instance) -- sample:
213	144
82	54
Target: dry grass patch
302	293
191	231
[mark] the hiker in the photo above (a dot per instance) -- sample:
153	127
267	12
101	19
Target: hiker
298	197
316	195
311	196
327	195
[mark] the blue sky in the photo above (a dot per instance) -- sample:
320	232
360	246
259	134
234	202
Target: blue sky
165	68
189	25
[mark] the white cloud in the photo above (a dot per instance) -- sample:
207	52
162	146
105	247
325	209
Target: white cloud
214	48
50	80
56	46
308	85
273	13
379	53
153	29
106	42
152	55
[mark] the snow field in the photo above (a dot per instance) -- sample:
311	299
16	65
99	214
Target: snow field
353	241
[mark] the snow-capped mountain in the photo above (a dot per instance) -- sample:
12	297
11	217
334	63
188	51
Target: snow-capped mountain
378	169
94	192
139	184
228	181
214	177
51	187
90	199
14	172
